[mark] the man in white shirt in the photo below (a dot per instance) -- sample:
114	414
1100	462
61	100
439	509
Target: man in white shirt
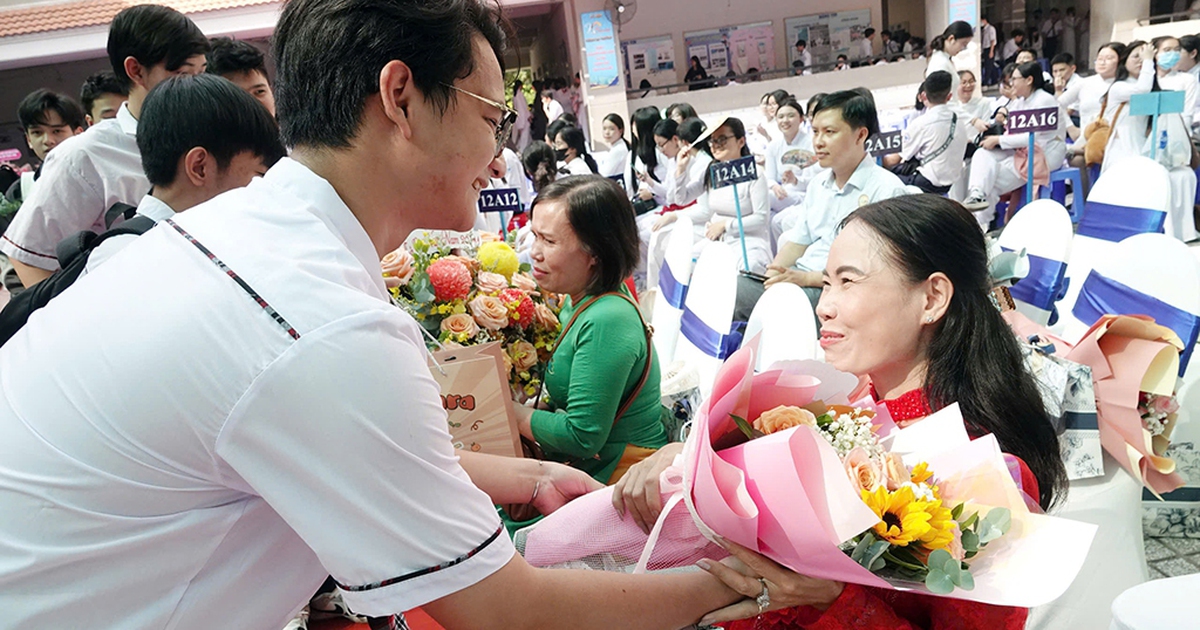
551	106
936	140
101	167
802	53
866	45
521	137
258	415
842	122
1062	70
1016	40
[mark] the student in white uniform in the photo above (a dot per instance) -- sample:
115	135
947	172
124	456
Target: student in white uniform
943	49
1168	52
571	149
551	106
1129	132
686	172
993	167
268	417
521	130
866	45
614	161
789	157
1062	69
1087	95
936	140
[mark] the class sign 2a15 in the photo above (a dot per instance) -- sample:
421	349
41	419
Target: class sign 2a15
1033	120
885	143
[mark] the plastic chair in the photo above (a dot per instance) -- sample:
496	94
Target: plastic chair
1043	230
705	337
784	316
1057	190
671	280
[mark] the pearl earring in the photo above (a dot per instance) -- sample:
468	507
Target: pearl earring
929	320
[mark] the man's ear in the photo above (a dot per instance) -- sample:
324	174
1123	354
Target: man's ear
198	166
396	93
136	71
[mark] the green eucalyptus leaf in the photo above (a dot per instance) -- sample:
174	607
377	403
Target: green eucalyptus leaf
965	581
877	565
860	550
957	511
941	560
938	582
970	541
1001	518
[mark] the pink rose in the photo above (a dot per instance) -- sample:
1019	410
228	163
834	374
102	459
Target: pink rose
895	472
489	312
460	324
491	283
955	547
784	417
397	268
544	318
524	355
863	471
524	282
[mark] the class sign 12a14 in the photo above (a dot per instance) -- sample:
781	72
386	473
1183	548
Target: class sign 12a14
737	171
1033	120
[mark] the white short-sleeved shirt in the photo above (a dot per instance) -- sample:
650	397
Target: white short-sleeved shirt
825	206
81	179
578	166
926	134
614	161
257	416
150	207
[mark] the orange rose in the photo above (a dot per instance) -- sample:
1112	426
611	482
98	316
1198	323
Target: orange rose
784	417
524	282
544	317
487	237
895	472
397	268
489	282
524	355
863	471
508	366
460	324
489	312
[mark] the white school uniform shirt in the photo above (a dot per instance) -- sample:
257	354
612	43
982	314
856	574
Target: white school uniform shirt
825	205
614	161
987	36
1011	47
865	50
926	134
775	167
553	110
1128	131
1052	142
150	207
981	107
267	418
81	179
1087	97
688	188
939	60
578	166
719	205
1183	82
806	57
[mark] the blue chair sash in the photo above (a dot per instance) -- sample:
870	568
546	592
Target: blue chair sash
1103	296
709	341
674	291
1045	284
1117	223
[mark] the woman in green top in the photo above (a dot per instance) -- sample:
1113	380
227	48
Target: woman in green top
586	244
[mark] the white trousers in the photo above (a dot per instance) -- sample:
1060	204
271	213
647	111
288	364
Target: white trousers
993	171
1181	223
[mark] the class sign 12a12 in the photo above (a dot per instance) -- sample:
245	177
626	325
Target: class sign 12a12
499	200
1033	120
737	171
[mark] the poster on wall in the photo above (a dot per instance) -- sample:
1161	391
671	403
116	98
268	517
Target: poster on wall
963	10
738	48
651	59
600	46
828	34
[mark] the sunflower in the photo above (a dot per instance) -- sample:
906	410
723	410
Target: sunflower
904	520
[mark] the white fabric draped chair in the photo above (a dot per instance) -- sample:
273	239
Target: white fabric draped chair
1043	229
1181	223
670	286
1158	605
705	338
784	318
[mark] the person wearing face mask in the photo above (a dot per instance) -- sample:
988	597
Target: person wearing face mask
571	150
1128	131
994	168
943	48
1168	53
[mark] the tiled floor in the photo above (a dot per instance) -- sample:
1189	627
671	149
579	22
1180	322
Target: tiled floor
1171	557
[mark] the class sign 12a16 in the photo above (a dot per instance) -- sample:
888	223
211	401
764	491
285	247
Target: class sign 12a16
1033	120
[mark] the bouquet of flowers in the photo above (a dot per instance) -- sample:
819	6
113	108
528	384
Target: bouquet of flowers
465	300
796	464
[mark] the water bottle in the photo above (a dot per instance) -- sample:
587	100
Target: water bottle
1162	156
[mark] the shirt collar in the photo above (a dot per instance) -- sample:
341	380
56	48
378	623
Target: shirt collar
299	180
126	120
858	178
155	208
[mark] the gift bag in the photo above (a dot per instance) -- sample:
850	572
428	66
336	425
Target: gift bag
477	399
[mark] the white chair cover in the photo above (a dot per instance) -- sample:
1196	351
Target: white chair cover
710	300
784	317
665	316
1043	229
1159	604
1135	182
1181	222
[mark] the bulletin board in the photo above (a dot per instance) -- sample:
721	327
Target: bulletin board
828	34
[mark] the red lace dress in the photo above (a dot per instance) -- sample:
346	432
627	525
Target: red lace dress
867	608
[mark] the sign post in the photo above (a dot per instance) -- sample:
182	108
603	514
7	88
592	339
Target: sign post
732	173
500	200
1032	121
1153	105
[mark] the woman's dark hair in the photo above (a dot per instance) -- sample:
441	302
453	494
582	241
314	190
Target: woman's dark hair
603	220
540	164
1122	52
812	103
666	128
568	118
185	112
973	358
695	61
32	109
154	34
739	131
790	102
1033	70
573	136
683	109
619	123
779	96
352	40
554	128
1191	44
644	148
690	129
957	30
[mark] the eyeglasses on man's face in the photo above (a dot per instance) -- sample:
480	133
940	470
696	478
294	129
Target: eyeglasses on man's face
507	117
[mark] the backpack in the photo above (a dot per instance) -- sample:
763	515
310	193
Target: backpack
73	253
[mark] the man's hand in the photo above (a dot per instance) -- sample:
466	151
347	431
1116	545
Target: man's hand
980	125
559	484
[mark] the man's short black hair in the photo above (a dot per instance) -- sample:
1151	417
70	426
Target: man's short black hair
153	34
33	108
1065	58
328	55
801	42
885	33
869	32
937	87
1028	50
856	108
228	56
98	85
185	112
